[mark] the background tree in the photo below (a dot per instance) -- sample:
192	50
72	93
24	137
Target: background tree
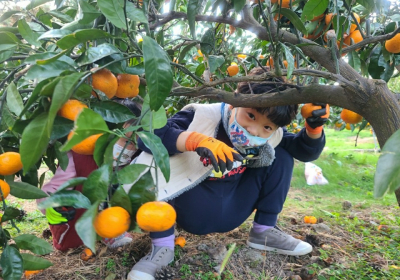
337	52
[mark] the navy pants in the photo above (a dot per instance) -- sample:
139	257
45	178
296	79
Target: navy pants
223	205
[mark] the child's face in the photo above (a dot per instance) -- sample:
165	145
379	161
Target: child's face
255	123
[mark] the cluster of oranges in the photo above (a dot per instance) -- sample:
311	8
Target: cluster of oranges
152	216
122	86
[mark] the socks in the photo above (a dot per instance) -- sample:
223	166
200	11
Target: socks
257	228
168	241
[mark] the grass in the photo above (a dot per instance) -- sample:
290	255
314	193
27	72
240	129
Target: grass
369	253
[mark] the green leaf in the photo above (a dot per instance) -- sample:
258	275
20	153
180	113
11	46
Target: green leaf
10	213
53	69
159	74
51	59
207	44
294	19
108	157
112	112
289	59
62	92
193	8
35	58
34	244
215	61
135	14
27	33
159	118
130	173
61	128
72	183
141	192
314	8
121	198
387	176
4	55
26	191
88	13
185	51
96	53
85	229
101	146
34	141
32	262
14	100
354	60
114	12
8	41
65	198
54	33
8	14
11	264
88	123
61	157
81	36
238	5
160	153
61	16
96	186
36	3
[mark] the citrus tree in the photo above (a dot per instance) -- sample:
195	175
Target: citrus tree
63	61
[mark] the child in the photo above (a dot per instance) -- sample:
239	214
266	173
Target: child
62	219
207	201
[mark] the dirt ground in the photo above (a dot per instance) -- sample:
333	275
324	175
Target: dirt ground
202	255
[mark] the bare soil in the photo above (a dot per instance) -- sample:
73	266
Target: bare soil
202	255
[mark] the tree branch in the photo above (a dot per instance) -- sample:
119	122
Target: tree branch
371	40
334	95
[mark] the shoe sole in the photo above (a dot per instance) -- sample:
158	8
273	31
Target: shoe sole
279	251
138	275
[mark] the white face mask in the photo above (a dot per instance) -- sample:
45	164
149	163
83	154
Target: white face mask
125	157
242	139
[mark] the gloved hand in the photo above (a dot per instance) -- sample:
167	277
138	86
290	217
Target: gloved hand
59	215
318	118
221	155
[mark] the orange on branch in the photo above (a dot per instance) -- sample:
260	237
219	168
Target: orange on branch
231	29
71	109
10	163
328	18
355	36
112	222
285	3
128	86
241	56
357	17
156	216
350	116
308	108
233	70
5	189
393	45
105	81
270	62
353	27
348	126
86	147
318	18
